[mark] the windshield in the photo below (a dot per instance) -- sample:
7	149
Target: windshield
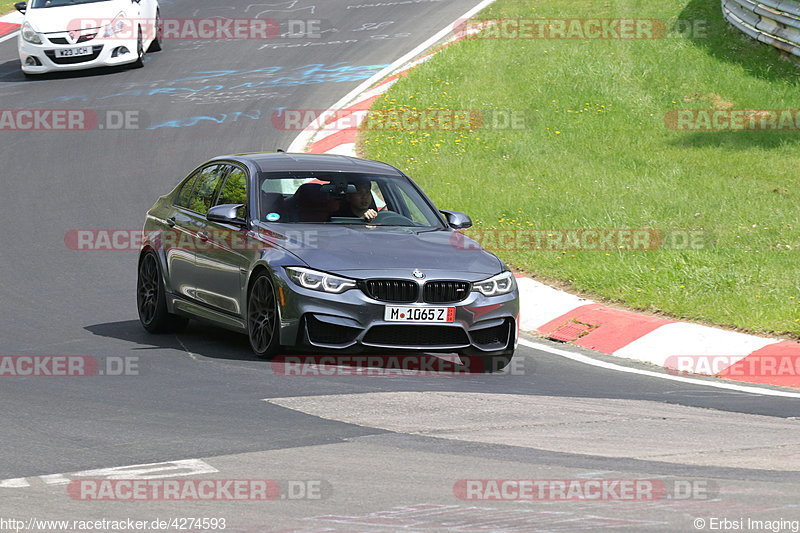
34	4
343	198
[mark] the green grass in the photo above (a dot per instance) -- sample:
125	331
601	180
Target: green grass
7	6
596	154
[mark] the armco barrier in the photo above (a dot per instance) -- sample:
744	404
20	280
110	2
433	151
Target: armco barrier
773	22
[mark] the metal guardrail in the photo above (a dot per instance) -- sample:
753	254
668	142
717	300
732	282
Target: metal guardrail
773	22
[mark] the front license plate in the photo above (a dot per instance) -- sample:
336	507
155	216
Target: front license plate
419	314
74	52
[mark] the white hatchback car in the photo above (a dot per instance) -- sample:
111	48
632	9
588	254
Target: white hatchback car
59	35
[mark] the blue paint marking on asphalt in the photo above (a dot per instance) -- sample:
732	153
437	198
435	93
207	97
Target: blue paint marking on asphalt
304	75
218	119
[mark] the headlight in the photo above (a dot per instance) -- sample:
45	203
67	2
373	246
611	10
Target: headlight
118	25
496	285
319	281
29	34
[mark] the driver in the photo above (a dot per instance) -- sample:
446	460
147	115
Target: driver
359	204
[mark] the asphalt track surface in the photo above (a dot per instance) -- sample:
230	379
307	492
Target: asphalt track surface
200	394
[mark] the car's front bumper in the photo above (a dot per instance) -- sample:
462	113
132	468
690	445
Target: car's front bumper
105	53
482	324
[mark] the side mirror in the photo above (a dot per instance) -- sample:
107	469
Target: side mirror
457	220
22	7
227	214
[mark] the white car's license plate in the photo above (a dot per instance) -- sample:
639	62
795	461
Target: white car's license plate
74	52
395	313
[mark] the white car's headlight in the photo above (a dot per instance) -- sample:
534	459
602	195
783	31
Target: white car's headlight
319	281
118	25
496	285
29	34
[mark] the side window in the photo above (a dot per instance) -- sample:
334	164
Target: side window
186	191
377	195
234	190
205	188
412	211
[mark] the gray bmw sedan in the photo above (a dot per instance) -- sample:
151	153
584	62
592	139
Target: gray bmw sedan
323	251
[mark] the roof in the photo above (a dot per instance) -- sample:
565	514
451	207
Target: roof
282	162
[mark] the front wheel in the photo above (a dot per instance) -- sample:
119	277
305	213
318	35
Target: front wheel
151	300
262	317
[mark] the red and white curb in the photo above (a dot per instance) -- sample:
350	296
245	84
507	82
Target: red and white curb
561	316
668	343
9	24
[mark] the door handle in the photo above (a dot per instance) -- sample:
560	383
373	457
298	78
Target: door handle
204	236
171	222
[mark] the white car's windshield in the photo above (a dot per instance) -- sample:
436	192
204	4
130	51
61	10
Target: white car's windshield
36	4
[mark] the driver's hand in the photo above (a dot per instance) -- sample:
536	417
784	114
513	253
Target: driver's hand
370	214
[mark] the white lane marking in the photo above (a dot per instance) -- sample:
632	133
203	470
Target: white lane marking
15	483
611	366
182	468
185	467
300	142
55	479
9	36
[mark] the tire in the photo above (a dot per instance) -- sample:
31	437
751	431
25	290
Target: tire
262	317
155	46
151	300
139	63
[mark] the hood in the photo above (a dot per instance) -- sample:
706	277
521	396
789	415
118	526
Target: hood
64	18
346	249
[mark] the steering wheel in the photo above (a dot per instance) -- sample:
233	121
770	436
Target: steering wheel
390	218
